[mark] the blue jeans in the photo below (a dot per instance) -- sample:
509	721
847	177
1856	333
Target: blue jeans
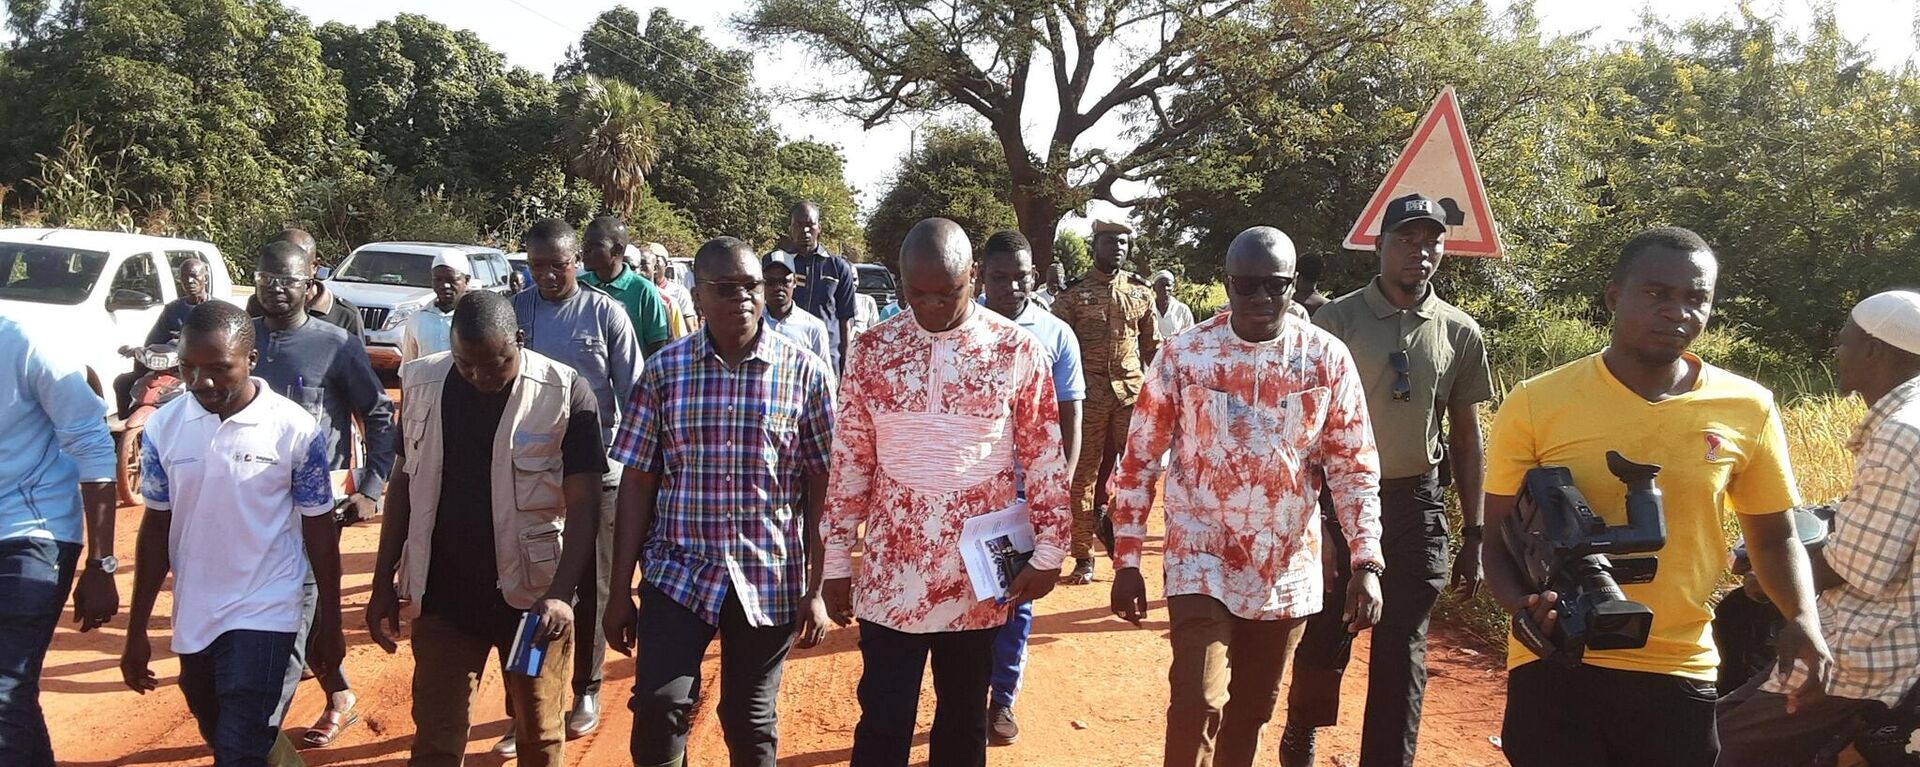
35	576
237	688
1010	656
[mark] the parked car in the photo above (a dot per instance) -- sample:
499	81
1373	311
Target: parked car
390	281
103	290
874	280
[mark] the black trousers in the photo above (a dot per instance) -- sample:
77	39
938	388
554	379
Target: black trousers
1413	524
1589	716
672	640
889	693
1320	662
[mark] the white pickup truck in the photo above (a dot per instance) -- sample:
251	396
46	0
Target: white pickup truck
103	290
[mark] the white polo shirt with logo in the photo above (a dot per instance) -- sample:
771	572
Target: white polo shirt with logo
236	490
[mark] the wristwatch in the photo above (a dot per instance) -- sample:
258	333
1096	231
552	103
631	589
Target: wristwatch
1372	567
106	564
1472	530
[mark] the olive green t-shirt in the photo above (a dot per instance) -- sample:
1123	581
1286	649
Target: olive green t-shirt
1446	364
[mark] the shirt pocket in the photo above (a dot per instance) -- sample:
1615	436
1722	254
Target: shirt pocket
540	550
537	482
590	358
313	399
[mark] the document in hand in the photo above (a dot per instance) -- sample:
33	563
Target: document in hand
528	648
995	547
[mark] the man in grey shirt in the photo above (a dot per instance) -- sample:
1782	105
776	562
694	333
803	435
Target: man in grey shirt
588	330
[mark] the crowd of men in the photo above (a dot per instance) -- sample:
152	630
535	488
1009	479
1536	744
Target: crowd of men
552	445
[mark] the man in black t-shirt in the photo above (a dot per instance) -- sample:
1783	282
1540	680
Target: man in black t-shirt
495	506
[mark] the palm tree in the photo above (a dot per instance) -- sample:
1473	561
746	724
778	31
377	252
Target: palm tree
613	138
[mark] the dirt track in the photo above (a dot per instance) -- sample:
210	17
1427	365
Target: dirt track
1094	696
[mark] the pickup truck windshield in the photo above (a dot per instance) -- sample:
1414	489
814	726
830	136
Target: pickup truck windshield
388	268
47	274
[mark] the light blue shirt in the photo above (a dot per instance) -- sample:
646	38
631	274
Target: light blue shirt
805	329
589	332
1069	378
56	438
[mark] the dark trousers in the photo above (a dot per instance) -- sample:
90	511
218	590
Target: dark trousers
666	686
1756	730
1320	662
889	693
237	688
1413	523
1589	716
590	599
35	576
449	658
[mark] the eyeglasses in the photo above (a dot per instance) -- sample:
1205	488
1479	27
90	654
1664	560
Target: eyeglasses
271	281
1275	286
1402	376
729	289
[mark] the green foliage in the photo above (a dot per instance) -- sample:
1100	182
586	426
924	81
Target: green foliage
957	172
614	132
1072	253
76	189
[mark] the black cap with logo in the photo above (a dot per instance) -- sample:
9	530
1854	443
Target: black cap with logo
1413	207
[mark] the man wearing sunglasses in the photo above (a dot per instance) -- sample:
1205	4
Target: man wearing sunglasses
1255	387
1422	361
1112	315
325	369
584	328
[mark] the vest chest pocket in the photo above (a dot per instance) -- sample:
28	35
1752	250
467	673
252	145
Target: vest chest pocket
537	482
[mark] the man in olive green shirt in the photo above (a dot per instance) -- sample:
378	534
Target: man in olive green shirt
1420	359
603	251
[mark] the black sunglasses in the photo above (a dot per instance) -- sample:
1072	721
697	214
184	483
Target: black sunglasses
1402	377
729	289
1275	286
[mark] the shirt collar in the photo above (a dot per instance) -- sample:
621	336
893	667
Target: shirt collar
622	282
322	300
757	352
1376	299
1900	397
253	414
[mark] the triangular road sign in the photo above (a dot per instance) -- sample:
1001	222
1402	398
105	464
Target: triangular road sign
1438	162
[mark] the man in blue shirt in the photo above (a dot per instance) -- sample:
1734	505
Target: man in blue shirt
586	329
1006	276
56	484
827	282
323	369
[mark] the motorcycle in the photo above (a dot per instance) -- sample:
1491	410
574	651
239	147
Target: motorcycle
158	386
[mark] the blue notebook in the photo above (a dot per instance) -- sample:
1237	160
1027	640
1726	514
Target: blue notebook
528	648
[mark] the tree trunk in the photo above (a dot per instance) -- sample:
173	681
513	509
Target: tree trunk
1039	214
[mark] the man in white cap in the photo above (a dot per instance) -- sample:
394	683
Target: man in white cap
1174	315
429	330
1866	570
786	318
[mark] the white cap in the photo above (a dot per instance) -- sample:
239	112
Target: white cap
456	261
658	250
1893	317
1162	274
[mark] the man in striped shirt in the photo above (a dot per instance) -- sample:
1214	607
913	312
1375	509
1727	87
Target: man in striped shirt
725	440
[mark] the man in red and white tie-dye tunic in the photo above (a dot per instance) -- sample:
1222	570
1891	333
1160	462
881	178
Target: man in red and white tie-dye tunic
1250	403
938	406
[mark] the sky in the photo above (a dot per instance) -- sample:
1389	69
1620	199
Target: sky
536	33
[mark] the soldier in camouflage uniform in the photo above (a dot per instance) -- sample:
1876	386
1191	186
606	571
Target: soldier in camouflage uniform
1111	312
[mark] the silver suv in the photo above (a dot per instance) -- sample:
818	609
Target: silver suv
390	281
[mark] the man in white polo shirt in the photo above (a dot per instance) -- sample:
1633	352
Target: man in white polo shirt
236	486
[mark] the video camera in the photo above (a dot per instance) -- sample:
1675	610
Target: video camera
1563	547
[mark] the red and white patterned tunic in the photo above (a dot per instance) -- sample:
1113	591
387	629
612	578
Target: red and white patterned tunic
927	435
1247	424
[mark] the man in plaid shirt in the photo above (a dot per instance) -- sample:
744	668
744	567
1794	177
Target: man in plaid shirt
1866	572
725	440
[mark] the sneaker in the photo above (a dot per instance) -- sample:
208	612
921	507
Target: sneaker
1002	730
507	748
1082	572
1296	746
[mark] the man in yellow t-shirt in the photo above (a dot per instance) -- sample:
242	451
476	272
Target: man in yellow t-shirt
1719	441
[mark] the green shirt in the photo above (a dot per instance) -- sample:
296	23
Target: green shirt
642	301
1446	364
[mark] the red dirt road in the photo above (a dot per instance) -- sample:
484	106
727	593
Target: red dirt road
1094	697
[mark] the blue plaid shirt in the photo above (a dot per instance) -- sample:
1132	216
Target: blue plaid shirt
732	448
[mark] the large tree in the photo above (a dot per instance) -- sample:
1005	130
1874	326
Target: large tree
957	172
613	137
1102	59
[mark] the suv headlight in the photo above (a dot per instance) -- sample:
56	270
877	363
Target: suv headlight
401	314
